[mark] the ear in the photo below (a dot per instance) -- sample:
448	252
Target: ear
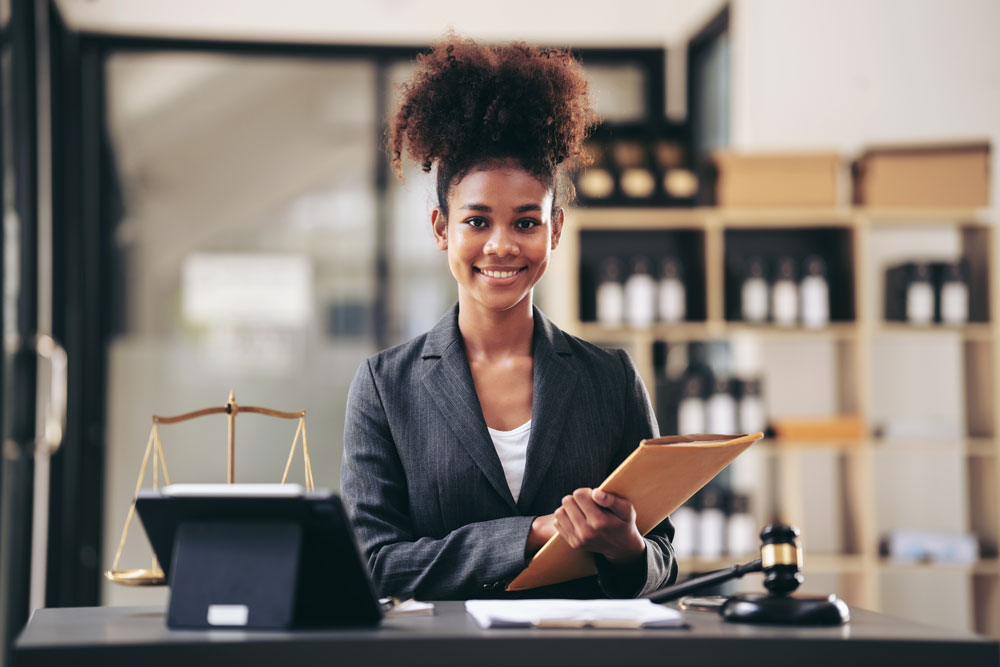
439	227
557	227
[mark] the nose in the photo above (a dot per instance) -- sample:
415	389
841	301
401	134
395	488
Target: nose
501	242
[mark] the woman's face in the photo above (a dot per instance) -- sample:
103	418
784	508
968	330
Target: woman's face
499	233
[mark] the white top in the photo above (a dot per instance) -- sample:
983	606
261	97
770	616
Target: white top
512	448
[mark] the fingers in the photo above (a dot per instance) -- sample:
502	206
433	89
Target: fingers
596	516
617	505
574	511
566	529
590	521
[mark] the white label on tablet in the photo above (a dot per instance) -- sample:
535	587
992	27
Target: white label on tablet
228	614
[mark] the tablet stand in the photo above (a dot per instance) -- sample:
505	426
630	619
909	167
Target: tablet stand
235	574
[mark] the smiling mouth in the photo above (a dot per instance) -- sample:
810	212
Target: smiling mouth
507	273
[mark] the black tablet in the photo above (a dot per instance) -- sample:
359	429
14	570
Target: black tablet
257	556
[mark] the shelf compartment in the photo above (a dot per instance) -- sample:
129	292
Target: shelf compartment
686	245
898	244
832	243
814	492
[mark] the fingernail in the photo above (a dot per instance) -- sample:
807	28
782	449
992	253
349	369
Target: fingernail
599	495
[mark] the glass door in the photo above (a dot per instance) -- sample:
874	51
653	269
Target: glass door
248	243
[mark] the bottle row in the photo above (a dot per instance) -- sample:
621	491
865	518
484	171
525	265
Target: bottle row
787	300
706	388
638	164
922	292
642	300
715	522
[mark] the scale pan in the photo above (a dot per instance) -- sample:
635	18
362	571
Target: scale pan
141	577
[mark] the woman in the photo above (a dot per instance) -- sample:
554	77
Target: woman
467	448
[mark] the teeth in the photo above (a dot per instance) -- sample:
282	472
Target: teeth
498	274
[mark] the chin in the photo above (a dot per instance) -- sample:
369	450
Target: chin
501	305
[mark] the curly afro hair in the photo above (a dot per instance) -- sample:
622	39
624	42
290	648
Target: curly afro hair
469	104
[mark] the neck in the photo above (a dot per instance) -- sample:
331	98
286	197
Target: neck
490	334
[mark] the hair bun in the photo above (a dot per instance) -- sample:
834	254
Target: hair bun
468	103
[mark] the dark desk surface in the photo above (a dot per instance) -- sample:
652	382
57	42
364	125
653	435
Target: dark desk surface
138	636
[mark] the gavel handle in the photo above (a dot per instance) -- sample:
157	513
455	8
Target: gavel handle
692	585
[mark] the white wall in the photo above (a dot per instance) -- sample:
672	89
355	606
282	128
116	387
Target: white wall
844	74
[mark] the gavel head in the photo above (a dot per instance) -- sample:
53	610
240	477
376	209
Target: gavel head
780	559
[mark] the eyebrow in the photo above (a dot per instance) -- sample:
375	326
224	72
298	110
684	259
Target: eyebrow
523	208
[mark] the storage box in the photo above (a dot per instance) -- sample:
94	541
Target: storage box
775	179
956	175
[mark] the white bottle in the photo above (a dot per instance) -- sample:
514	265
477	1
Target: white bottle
954	296
711	524
691	417
815	294
610	295
685	520
785	295
752	416
754	293
672	298
741	533
920	296
721	408
640	296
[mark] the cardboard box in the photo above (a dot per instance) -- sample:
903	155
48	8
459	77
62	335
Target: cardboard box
773	179
956	175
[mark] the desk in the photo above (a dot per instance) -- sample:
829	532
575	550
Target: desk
138	637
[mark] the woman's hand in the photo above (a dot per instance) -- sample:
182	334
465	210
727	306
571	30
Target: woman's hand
593	520
542	529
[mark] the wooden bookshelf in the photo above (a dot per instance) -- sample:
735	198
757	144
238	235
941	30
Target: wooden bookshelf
856	339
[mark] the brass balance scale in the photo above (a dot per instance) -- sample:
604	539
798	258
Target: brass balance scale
154	576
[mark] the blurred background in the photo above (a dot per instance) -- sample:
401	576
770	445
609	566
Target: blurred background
788	224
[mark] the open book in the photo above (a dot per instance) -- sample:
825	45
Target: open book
656	478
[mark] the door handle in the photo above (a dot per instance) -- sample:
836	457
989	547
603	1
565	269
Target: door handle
52	390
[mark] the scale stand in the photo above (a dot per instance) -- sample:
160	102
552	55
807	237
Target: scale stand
153	576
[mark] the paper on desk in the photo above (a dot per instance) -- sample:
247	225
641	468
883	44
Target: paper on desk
573	614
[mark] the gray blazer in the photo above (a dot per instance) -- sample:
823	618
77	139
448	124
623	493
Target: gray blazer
426	490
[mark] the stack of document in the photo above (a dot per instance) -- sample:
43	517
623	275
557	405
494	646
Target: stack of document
573	614
656	478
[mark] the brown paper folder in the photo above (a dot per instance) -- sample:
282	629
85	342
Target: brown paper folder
656	478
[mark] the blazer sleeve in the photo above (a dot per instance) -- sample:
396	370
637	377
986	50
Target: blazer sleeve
471	561
659	568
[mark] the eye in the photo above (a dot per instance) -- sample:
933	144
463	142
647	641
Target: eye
477	222
527	223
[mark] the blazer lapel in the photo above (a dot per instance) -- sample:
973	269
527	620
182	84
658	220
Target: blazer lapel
449	382
554	380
